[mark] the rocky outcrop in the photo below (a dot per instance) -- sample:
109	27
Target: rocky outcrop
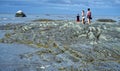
20	14
106	20
67	46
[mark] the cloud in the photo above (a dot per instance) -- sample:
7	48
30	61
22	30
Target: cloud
74	3
117	1
105	3
84	3
60	4
57	1
13	3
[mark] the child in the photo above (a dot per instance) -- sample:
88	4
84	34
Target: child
78	18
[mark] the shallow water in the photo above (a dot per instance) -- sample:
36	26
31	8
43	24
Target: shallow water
10	56
10	18
2	33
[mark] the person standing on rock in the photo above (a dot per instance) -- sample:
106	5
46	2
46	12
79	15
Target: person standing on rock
83	17
89	16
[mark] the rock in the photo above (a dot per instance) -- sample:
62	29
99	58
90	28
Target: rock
94	33
64	46
98	33
43	20
61	68
106	20
20	14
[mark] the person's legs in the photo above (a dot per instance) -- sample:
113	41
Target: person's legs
89	21
82	21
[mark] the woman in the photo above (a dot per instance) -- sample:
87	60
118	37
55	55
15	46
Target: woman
89	16
83	17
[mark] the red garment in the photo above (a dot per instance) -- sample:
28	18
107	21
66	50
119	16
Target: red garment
88	13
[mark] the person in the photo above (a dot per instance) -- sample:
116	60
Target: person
78	18
83	17
89	16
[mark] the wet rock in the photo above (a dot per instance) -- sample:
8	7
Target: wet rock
62	68
43	20
106	20
94	33
64	44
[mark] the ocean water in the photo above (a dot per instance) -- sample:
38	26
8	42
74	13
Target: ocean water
11	19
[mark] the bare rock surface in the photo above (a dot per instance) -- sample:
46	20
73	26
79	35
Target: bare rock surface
62	46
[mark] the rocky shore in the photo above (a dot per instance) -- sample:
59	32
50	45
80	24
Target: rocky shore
66	45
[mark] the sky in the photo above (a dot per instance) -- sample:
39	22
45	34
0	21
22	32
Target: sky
98	7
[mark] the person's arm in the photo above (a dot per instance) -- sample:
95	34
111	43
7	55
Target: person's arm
87	14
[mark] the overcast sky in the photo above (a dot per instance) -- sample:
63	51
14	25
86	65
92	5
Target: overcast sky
98	7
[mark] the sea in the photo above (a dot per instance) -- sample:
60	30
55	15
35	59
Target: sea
11	19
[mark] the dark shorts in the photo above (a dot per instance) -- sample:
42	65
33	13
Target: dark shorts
89	17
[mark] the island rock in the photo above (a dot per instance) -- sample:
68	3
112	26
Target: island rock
20	14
